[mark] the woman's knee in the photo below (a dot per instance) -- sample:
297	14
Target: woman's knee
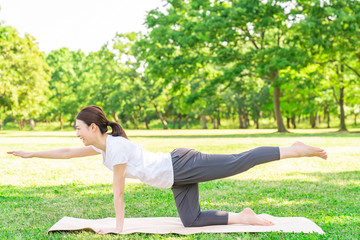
188	222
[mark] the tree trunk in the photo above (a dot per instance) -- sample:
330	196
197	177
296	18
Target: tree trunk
61	122
328	118
247	120
32	124
163	121
256	121
187	123
215	123
180	119
287	122
312	121
21	124
354	121
146	123
1	123
241	121
293	121
203	121
277	110
136	126
340	100
218	119
114	114
342	110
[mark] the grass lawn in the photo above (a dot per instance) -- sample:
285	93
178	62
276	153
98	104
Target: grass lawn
35	193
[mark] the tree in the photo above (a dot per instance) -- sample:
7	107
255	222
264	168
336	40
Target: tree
331	31
240	38
63	78
141	90
24	76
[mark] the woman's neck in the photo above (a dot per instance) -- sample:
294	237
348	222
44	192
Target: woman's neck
101	142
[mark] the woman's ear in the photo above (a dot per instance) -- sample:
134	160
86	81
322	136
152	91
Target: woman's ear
93	127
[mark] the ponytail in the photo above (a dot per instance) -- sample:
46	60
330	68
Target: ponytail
94	114
117	129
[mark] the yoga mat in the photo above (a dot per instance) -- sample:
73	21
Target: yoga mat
165	225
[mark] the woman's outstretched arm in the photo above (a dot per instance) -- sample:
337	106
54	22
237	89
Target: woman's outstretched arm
60	153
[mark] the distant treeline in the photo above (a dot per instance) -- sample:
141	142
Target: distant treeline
203	60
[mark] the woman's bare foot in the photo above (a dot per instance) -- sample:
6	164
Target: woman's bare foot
299	149
247	216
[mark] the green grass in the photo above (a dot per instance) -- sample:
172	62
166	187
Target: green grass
35	193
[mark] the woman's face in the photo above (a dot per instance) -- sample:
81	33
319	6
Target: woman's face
83	131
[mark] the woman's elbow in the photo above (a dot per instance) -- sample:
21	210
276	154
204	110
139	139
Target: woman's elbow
66	153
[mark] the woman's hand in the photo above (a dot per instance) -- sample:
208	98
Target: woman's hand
108	230
22	154
60	153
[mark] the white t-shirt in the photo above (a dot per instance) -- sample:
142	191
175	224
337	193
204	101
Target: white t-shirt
151	168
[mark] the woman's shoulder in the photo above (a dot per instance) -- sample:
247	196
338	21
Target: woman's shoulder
120	142
117	139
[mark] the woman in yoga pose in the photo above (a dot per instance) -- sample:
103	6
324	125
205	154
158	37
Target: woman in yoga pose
181	170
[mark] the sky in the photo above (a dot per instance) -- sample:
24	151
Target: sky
75	24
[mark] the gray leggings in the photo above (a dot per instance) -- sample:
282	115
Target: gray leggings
191	167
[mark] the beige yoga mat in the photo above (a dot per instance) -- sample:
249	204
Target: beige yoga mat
165	225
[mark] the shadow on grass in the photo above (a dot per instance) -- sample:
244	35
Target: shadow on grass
328	199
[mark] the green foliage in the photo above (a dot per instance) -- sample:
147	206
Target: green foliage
199	60
65	82
24	76
331	31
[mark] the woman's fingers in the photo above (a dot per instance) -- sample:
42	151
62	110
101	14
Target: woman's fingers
19	153
11	152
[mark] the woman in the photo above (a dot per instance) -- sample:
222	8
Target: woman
182	169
